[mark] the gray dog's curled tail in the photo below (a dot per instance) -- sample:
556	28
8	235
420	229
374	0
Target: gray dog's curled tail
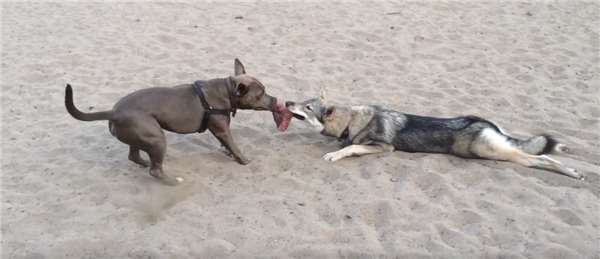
77	114
538	145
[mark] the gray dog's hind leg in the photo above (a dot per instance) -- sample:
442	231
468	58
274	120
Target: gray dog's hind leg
156	150
144	133
134	156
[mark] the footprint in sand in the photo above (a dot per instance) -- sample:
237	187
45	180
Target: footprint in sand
451	237
568	217
467	217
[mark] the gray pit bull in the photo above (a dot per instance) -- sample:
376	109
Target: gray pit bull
138	118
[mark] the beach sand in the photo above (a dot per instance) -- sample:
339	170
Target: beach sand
69	191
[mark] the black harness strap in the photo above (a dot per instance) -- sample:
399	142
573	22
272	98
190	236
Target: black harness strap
209	110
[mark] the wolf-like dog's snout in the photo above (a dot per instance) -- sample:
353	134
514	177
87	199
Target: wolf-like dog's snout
296	112
309	111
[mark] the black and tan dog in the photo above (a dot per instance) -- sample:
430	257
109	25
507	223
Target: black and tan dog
373	129
139	118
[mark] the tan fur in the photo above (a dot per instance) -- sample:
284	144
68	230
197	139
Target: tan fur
354	118
360	116
500	150
337	121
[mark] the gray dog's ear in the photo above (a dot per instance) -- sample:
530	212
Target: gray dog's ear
240	89
238	67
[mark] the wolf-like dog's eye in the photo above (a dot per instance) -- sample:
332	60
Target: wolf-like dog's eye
329	111
308	107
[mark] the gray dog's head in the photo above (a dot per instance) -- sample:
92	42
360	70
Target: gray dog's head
250	92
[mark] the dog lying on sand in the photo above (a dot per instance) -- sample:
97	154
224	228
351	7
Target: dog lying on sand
373	129
139	118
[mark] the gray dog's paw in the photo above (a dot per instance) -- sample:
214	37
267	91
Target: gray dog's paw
226	151
243	161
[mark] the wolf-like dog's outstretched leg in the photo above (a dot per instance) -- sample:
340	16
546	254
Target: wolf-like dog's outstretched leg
494	145
357	150
544	162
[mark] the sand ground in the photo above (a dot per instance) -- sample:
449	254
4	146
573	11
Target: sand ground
68	190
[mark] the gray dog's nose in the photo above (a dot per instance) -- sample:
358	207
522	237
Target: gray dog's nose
288	104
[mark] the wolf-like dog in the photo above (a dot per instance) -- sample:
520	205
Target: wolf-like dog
373	129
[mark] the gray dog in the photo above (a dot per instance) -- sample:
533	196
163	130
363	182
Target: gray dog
372	129
138	118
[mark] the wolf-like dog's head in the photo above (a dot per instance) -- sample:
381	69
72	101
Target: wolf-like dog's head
326	119
310	111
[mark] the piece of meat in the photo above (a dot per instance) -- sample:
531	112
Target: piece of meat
282	117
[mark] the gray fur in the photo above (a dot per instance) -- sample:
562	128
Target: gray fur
139	118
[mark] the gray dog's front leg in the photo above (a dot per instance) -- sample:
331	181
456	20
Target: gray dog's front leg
223	134
227	140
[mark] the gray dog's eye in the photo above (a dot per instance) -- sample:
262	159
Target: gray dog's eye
308	107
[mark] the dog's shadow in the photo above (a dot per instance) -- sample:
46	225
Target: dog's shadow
157	198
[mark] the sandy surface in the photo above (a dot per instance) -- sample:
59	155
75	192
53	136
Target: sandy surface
68	190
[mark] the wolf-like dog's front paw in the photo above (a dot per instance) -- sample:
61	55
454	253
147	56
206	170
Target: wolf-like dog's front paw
575	174
333	156
572	173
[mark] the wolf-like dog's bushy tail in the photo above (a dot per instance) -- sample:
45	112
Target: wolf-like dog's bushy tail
536	145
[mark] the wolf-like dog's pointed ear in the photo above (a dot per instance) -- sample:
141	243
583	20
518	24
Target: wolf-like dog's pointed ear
322	95
239	67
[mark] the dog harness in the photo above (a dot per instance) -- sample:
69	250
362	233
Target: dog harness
208	109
